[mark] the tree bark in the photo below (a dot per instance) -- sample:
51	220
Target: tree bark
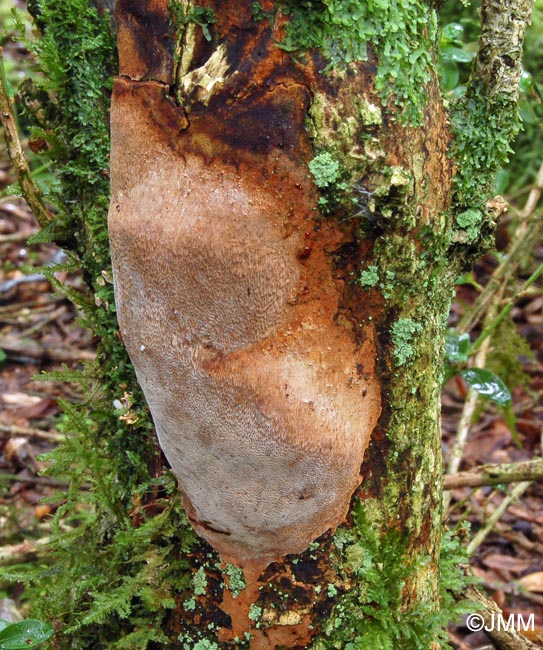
222	130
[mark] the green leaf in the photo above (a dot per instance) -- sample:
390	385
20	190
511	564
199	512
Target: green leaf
501	181
456	54
457	345
467	278
527	113
525	81
3	357
450	75
3	624
488	384
452	32
25	634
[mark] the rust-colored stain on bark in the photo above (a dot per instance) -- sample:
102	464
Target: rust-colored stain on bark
251	381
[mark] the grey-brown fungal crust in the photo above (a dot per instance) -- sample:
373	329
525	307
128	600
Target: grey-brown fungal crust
254	386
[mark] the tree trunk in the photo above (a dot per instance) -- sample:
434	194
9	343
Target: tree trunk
289	211
242	309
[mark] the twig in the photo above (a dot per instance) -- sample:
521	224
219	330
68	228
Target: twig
30	349
8	310
527	234
52	316
23	552
488	330
535	194
15	237
518	538
9	285
481	535
27	432
494	474
17	156
35	480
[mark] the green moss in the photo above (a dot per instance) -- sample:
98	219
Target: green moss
182	15
190	604
369	277
403	331
401	34
484	127
369	614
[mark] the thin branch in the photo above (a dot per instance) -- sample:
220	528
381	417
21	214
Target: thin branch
23	552
35	480
29	349
535	195
468	410
489	329
17	156
481	535
498	63
526	236
495	474
15	237
27	432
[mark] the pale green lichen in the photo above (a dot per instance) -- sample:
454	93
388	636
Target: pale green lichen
199	582
204	644
331	590
369	277
325	170
255	612
190	604
403	331
236	581
469	222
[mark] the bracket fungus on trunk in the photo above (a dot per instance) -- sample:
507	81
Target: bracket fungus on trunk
228	295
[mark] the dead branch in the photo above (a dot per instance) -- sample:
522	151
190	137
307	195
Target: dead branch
30	349
17	156
23	552
493	474
27	432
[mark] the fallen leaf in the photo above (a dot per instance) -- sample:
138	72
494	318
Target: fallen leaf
507	562
20	399
532	581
